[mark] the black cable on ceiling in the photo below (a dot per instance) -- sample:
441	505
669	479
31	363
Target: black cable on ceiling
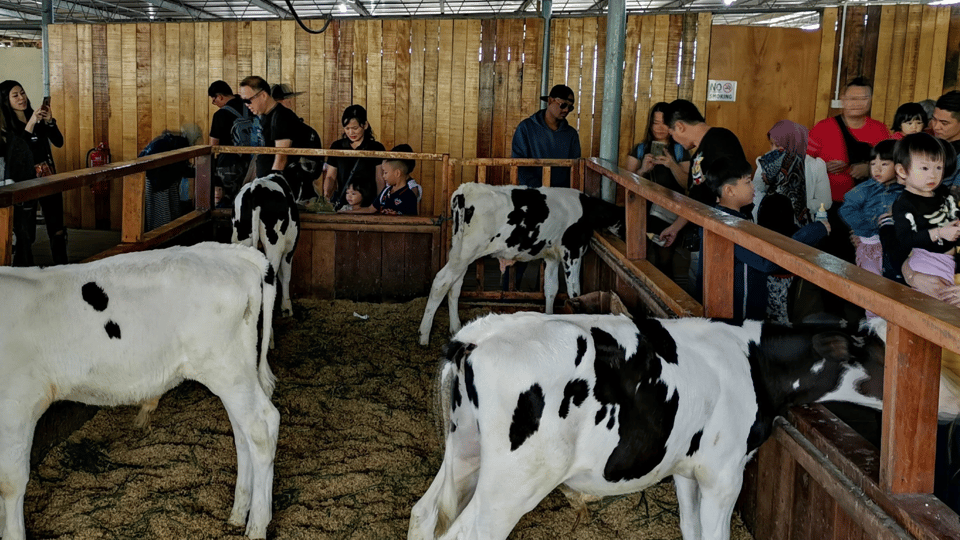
329	19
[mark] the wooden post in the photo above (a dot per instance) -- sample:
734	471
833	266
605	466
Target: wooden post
545	177
910	399
203	189
717	258
636	234
131	229
6	236
514	175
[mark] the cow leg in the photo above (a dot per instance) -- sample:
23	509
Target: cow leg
441	504
16	439
550	283
286	265
688	497
146	410
453	303
571	275
716	505
503	493
256	424
450	274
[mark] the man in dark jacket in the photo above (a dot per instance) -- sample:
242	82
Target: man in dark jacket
547	135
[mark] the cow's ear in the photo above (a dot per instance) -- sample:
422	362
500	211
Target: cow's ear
833	346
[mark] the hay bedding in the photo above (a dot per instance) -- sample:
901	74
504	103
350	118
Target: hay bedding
357	449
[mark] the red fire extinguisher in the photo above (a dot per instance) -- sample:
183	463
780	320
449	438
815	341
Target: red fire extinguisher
98	157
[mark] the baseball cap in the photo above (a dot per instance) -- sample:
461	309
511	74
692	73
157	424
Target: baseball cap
283	91
561	91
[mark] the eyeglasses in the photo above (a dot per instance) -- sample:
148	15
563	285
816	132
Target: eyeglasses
566	105
249	100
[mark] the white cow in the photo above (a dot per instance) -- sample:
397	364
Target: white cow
130	327
515	223
265	213
607	406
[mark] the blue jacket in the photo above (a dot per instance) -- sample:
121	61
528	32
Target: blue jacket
864	204
534	139
750	271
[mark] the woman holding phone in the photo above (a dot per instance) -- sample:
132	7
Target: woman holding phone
39	129
665	162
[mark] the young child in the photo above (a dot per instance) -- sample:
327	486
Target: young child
730	183
397	198
925	216
360	197
864	205
910	118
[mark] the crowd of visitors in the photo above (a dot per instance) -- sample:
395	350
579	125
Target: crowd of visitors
875	195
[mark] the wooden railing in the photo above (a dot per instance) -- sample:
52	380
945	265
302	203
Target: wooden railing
132	235
918	325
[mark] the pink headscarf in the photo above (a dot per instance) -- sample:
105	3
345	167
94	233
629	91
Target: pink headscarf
791	136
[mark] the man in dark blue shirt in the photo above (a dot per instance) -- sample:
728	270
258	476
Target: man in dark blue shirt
547	135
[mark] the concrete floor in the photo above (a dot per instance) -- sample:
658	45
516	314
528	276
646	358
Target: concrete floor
81	243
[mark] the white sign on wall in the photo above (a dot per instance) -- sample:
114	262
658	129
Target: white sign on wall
721	90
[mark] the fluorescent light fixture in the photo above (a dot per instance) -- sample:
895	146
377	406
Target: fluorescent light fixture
728	2
343	8
944	3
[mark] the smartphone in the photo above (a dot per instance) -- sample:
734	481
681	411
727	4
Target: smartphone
46	102
657	148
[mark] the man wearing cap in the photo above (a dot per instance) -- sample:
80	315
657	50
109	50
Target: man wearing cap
547	135
283	94
278	124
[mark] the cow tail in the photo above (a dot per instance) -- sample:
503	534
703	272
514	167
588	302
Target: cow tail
442	390
268	380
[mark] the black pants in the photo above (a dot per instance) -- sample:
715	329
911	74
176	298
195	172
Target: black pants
52	206
25	227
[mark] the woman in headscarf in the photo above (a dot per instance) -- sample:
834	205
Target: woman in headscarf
789	189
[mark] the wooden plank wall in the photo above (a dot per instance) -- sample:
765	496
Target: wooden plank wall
910	52
442	85
764	96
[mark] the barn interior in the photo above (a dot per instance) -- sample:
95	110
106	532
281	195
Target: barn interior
454	85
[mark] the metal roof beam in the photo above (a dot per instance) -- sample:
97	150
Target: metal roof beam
27	13
358	7
599	5
180	8
272	8
86	11
25	26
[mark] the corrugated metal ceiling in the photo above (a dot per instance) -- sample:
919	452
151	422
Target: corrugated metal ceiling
21	18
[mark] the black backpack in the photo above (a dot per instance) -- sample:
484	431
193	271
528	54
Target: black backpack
301	171
231	169
243	132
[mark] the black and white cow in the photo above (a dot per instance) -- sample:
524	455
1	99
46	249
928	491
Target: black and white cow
128	328
515	223
606	406
265	213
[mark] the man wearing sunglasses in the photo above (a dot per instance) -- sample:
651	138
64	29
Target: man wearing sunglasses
278	124
546	134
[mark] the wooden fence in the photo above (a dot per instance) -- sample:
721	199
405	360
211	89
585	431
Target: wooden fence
442	85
